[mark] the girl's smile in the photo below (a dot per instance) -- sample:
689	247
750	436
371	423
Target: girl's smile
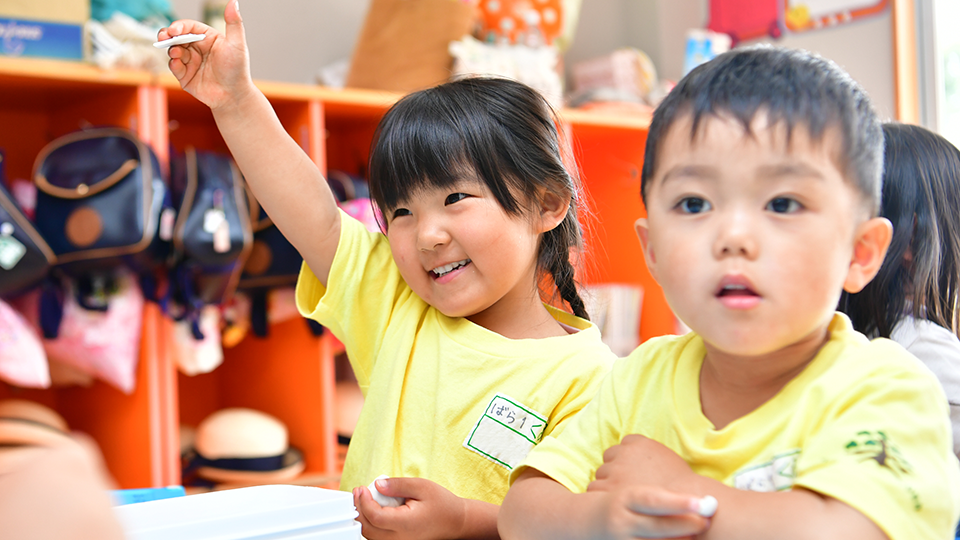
443	272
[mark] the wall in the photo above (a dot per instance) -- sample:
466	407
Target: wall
291	40
658	27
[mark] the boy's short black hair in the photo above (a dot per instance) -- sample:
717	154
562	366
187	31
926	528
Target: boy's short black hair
791	86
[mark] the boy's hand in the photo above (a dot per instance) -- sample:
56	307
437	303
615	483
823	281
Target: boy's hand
638	460
216	69
649	512
431	511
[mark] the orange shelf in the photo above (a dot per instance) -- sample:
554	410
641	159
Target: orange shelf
290	374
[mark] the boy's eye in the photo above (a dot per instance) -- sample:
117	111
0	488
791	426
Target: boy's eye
400	212
455	197
693	205
783	205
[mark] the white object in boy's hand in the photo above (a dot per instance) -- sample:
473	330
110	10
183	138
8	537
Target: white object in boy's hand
179	40
708	506
382	499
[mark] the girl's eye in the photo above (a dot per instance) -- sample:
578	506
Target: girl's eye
693	205
783	205
455	197
400	212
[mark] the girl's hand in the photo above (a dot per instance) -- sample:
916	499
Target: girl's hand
431	511
215	70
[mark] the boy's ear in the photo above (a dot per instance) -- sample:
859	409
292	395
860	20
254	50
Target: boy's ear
872	240
643	233
553	209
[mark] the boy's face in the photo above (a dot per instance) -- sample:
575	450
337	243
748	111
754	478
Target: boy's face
752	238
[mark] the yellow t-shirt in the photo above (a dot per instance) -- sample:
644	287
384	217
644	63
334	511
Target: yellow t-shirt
445	399
865	422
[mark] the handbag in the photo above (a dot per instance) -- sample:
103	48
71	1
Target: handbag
100	197
25	257
212	235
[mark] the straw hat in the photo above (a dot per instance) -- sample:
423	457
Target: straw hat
240	445
29	423
32	411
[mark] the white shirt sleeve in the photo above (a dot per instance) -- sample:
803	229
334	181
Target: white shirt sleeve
939	349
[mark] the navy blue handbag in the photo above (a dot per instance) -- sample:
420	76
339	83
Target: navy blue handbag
101	203
212	235
100	197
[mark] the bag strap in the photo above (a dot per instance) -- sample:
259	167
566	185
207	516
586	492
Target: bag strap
51	307
83	190
189	192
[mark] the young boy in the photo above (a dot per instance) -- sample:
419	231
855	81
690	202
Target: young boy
761	181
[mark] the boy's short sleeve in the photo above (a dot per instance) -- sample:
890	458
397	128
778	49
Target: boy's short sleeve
572	457
884	449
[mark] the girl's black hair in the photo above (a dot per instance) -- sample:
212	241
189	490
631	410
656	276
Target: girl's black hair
921	197
500	130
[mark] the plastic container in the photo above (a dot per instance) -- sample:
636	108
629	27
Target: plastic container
271	511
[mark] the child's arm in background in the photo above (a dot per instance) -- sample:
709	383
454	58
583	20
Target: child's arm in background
429	512
743	515
216	70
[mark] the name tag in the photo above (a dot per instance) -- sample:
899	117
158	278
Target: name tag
506	431
777	474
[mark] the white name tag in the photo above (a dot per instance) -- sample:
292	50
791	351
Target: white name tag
506	431
777	474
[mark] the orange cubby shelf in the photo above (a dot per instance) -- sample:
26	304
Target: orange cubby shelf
610	157
137	432
289	374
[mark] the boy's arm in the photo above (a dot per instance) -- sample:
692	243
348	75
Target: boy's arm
539	507
285	181
744	515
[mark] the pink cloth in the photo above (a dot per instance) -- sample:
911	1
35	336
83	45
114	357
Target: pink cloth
23	361
362	210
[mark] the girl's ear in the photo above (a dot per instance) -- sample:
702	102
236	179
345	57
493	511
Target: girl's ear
553	210
643	233
872	240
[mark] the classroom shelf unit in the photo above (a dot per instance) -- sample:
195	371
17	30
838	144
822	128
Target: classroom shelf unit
290	374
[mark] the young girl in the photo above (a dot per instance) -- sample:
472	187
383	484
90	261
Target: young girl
913	299
463	366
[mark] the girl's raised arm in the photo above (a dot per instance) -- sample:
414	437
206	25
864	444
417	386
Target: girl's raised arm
216	70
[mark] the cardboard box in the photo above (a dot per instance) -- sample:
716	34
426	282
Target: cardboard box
404	44
43	28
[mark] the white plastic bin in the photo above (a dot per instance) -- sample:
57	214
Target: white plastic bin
258	512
